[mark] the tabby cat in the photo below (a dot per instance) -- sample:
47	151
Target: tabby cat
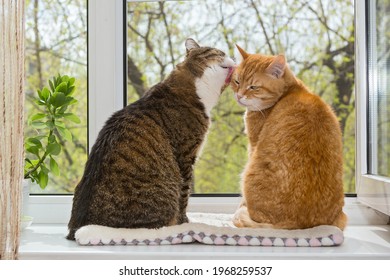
294	175
140	169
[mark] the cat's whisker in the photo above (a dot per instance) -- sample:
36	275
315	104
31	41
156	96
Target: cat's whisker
262	113
260	110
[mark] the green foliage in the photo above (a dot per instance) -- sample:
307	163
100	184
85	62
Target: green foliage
58	48
312	35
317	42
50	124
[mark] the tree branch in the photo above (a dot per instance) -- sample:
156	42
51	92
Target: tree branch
168	32
259	18
135	77
324	22
149	46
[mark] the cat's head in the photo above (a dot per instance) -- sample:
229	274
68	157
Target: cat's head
259	81
212	70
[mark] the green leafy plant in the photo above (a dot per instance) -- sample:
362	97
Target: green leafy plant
50	125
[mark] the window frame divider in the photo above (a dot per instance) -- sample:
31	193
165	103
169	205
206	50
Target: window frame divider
106	62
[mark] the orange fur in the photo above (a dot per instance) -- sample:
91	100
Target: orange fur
293	177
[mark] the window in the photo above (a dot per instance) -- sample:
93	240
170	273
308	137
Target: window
373	90
56	43
156	31
318	43
378	89
107	62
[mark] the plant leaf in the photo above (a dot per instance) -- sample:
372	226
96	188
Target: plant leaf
34	150
38	125
71	100
60	124
50	124
52	138
71	81
40	102
35	142
37	116
65	78
51	85
70	90
65	133
39	94
62	87
62	109
45	93
53	149
43	179
54	167
72	117
55	82
58	99
44	169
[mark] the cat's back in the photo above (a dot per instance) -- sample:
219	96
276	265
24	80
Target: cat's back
304	115
149	109
153	116
302	138
297	165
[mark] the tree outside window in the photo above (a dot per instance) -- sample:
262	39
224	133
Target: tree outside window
317	38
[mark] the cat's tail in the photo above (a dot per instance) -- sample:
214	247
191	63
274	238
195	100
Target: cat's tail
81	202
242	219
84	191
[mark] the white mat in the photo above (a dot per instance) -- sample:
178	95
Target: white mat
212	229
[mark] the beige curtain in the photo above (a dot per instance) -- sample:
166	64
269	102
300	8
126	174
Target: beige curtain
11	123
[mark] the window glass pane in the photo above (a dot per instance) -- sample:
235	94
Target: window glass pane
318	43
56	43
379	87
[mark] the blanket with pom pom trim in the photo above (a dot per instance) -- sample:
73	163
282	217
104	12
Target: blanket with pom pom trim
211	229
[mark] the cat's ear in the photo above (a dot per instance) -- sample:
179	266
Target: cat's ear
243	53
277	67
191	44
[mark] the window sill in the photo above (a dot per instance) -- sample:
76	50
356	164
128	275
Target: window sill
47	241
61	206
366	237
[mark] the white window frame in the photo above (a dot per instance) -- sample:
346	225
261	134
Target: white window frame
106	84
106	63
372	190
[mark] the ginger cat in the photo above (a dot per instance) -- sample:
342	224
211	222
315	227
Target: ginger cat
294	176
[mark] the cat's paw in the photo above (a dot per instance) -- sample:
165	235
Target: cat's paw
238	223
237	217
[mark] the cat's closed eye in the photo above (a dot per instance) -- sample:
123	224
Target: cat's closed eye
253	87
237	82
263	98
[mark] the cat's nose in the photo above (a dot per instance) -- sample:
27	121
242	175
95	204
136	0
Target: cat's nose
240	94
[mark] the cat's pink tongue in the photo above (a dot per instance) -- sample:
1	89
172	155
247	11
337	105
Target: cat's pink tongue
229	75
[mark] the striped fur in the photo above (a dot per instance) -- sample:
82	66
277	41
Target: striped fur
140	169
